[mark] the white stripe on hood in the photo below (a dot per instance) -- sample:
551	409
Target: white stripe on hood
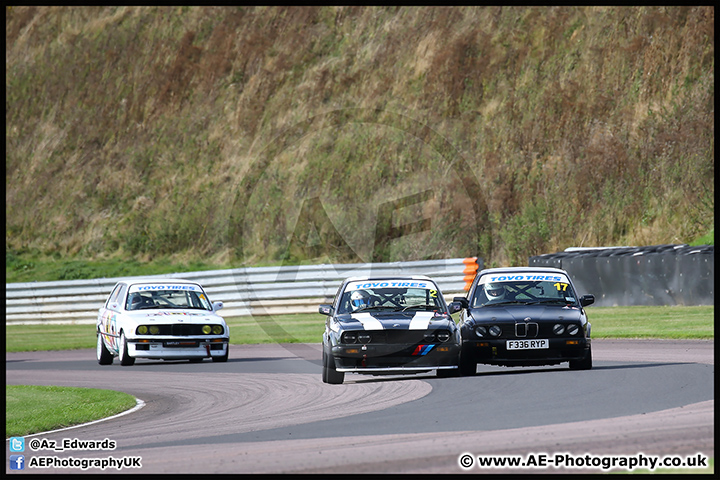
421	320
368	321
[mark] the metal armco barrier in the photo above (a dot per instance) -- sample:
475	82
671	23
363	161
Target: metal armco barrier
244	291
653	276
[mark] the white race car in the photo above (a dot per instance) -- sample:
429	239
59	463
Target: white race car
168	319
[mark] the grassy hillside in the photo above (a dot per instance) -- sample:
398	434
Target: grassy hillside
258	135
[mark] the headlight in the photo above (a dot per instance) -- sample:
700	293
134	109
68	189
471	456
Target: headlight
142	329
364	337
558	329
573	329
206	329
154	329
443	335
495	331
349	337
217	329
429	337
481	331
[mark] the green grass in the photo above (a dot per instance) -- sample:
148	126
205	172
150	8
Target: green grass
298	328
676	322
25	338
33	266
31	409
607	322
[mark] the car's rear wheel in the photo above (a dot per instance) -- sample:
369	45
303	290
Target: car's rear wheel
583	364
330	374
125	359
104	357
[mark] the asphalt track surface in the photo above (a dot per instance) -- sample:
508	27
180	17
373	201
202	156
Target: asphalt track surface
267	411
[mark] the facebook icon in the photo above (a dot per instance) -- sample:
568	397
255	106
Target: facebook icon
17	462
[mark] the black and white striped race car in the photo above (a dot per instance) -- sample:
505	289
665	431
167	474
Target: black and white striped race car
389	325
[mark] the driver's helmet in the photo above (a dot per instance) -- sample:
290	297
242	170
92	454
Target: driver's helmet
135	301
359	299
495	291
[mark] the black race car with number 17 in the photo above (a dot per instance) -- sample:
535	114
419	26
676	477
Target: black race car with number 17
388	325
523	316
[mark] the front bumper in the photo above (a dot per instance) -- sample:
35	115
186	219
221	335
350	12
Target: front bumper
495	352
395	358
177	348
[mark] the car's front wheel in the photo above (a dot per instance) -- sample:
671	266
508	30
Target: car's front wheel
584	363
467	365
125	359
447	373
223	358
104	357
330	374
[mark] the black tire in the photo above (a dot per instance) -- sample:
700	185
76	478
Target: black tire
330	375
447	373
324	369
125	359
467	365
104	357
583	364
223	358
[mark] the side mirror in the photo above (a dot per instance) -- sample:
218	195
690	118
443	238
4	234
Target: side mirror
587	300
454	307
217	306
325	309
462	301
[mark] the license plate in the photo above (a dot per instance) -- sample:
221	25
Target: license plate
180	344
527	344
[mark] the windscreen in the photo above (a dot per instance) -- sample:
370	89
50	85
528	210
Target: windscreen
532	288
157	296
394	295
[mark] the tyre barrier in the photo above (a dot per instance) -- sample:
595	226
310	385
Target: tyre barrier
653	275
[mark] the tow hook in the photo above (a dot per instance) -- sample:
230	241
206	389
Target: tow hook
207	346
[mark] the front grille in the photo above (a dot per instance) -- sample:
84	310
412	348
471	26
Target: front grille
393	337
521	330
184	330
526	330
178	330
402	336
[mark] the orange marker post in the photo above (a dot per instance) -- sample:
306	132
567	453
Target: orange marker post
471	267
